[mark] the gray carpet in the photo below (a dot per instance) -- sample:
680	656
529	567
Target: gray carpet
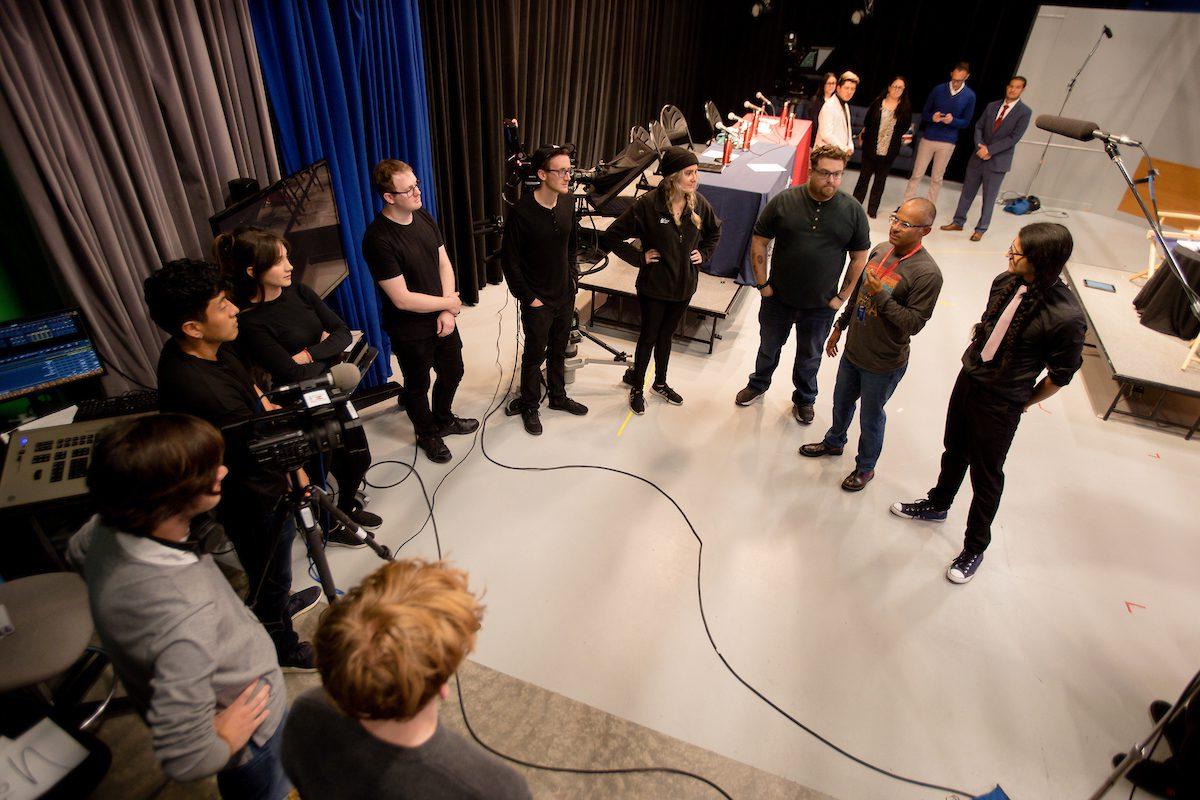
518	718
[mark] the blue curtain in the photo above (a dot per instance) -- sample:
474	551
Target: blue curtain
346	81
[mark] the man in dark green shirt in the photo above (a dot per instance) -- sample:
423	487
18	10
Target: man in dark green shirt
893	300
814	227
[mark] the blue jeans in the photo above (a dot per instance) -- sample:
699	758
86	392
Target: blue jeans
775	322
874	389
260	775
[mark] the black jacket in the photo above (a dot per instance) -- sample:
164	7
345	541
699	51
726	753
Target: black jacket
870	133
673	277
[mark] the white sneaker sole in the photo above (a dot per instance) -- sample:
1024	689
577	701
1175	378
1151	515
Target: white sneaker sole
895	509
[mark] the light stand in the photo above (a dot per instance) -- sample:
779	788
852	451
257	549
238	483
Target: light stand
1070	88
1114	154
1141	751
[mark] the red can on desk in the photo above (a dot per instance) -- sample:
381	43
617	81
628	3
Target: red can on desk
727	152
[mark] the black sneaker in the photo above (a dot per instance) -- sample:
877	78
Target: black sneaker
364	518
667	393
299	659
458	426
570	406
637	401
803	414
338	534
303	601
627	378
922	509
434	448
962	568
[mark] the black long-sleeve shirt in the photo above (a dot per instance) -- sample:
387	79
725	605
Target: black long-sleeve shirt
1052	341
220	392
269	334
539	251
673	277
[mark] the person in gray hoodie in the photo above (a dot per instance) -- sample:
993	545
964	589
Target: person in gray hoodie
197	665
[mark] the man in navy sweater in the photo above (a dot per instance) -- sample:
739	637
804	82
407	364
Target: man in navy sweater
948	110
1000	127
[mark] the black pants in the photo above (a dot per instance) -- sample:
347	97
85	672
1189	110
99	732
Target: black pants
442	354
349	465
659	320
873	166
267	560
547	330
979	431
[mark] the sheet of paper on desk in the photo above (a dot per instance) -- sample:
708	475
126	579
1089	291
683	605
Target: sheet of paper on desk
715	154
767	122
36	760
768	167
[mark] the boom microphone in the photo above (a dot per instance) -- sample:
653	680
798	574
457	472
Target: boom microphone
1083	130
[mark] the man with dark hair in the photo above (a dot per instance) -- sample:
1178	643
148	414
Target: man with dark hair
199	375
539	265
404	250
1032	324
894	299
814	226
997	132
200	672
947	111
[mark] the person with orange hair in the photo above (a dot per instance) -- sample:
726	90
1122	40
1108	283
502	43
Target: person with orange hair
386	652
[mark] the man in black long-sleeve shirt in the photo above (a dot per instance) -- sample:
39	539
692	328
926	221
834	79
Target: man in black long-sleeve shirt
1032	323
199	374
539	265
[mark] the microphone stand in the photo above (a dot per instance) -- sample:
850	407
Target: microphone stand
1141	751
1114	154
1070	88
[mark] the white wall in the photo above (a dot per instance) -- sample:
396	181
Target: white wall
1142	82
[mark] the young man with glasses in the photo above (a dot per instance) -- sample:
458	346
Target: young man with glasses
948	110
539	265
894	299
404	250
814	227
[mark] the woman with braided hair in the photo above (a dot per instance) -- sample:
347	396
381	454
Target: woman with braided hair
1032	324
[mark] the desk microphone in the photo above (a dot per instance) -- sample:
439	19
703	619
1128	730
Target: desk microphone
752	107
765	99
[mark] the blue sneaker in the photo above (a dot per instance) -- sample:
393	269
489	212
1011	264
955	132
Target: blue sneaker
962	569
921	509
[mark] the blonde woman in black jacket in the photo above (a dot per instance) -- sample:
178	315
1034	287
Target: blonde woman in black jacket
678	231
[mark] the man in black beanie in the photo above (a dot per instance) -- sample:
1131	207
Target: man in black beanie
539	265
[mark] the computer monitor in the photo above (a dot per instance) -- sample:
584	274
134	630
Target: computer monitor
301	209
40	353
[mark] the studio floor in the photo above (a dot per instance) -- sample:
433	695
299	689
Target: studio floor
1031	677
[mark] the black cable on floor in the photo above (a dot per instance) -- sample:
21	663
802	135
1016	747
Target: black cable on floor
700	598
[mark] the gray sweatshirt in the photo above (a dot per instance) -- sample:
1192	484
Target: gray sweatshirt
182	642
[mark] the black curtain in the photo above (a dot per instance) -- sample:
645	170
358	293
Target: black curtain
580	71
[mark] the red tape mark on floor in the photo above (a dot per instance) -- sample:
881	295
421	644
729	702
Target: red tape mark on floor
1130	606
1042	409
1156	455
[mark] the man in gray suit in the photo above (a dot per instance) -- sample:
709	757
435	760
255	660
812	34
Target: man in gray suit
997	132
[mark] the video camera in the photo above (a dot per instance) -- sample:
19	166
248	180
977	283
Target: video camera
318	417
521	172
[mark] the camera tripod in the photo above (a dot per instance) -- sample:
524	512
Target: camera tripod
301	502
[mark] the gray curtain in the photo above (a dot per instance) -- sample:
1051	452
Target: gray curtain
122	121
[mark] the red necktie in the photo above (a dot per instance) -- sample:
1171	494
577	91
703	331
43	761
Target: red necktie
999	119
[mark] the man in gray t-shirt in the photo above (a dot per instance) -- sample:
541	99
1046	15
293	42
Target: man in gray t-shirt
814	227
894	298
386	653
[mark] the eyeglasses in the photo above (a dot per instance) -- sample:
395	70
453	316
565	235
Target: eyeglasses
409	191
908	226
824	173
562	173
1015	254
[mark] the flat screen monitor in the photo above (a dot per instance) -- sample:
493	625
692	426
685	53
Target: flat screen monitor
40	353
301	209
